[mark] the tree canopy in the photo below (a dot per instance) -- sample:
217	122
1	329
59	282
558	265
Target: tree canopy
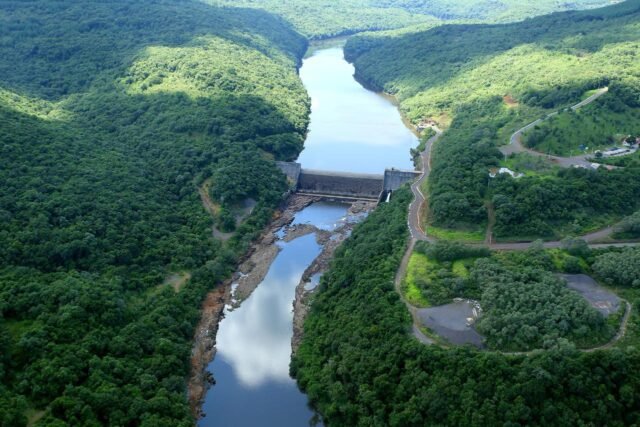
484	82
360	366
112	114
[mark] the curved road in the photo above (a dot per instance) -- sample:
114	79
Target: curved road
402	271
619	335
515	144
416	207
418	233
415	227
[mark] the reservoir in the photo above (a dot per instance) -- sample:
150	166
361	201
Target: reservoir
352	129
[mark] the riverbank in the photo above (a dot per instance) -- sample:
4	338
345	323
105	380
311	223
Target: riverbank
309	283
232	292
251	273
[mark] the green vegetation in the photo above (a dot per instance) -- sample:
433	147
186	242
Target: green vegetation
460	269
456	235
425	136
430	283
419	271
535	67
450	251
439	272
360	366
527	307
630	161
571	202
621	268
501	10
112	114
528	164
603	124
629	228
326	18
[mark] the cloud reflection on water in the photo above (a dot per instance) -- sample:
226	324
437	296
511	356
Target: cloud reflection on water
256	339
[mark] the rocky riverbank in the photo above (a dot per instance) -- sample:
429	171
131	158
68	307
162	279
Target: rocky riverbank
330	241
252	270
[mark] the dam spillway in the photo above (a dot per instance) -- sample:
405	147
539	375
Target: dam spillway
358	186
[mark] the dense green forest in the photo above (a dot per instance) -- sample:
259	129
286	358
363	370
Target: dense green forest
326	18
621	268
486	81
111	116
360	366
525	305
501	10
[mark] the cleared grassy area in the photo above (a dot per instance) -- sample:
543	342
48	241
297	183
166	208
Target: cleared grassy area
431	283
528	164
459	269
419	270
562	259
458	235
597	126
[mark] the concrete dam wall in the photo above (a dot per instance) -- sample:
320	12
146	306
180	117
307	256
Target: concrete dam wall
394	178
340	184
345	184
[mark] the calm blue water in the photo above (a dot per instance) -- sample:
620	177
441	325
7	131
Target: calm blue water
325	216
251	367
351	129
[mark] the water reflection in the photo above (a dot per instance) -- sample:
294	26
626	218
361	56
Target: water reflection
254	350
324	215
351	129
256	340
348	122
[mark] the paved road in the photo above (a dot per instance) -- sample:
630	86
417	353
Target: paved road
515	145
400	274
417	233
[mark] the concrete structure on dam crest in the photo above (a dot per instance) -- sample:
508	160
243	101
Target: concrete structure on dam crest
345	185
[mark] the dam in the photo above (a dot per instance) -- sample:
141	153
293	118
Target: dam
345	185
355	136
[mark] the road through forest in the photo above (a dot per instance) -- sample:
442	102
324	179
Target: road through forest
418	232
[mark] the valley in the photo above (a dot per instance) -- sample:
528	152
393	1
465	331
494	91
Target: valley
157	268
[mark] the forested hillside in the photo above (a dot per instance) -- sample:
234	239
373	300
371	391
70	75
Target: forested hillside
489	10
360	365
111	116
486	81
326	18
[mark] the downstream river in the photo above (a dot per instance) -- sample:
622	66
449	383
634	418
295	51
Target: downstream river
352	129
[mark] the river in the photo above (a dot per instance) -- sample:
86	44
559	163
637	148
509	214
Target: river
352	129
